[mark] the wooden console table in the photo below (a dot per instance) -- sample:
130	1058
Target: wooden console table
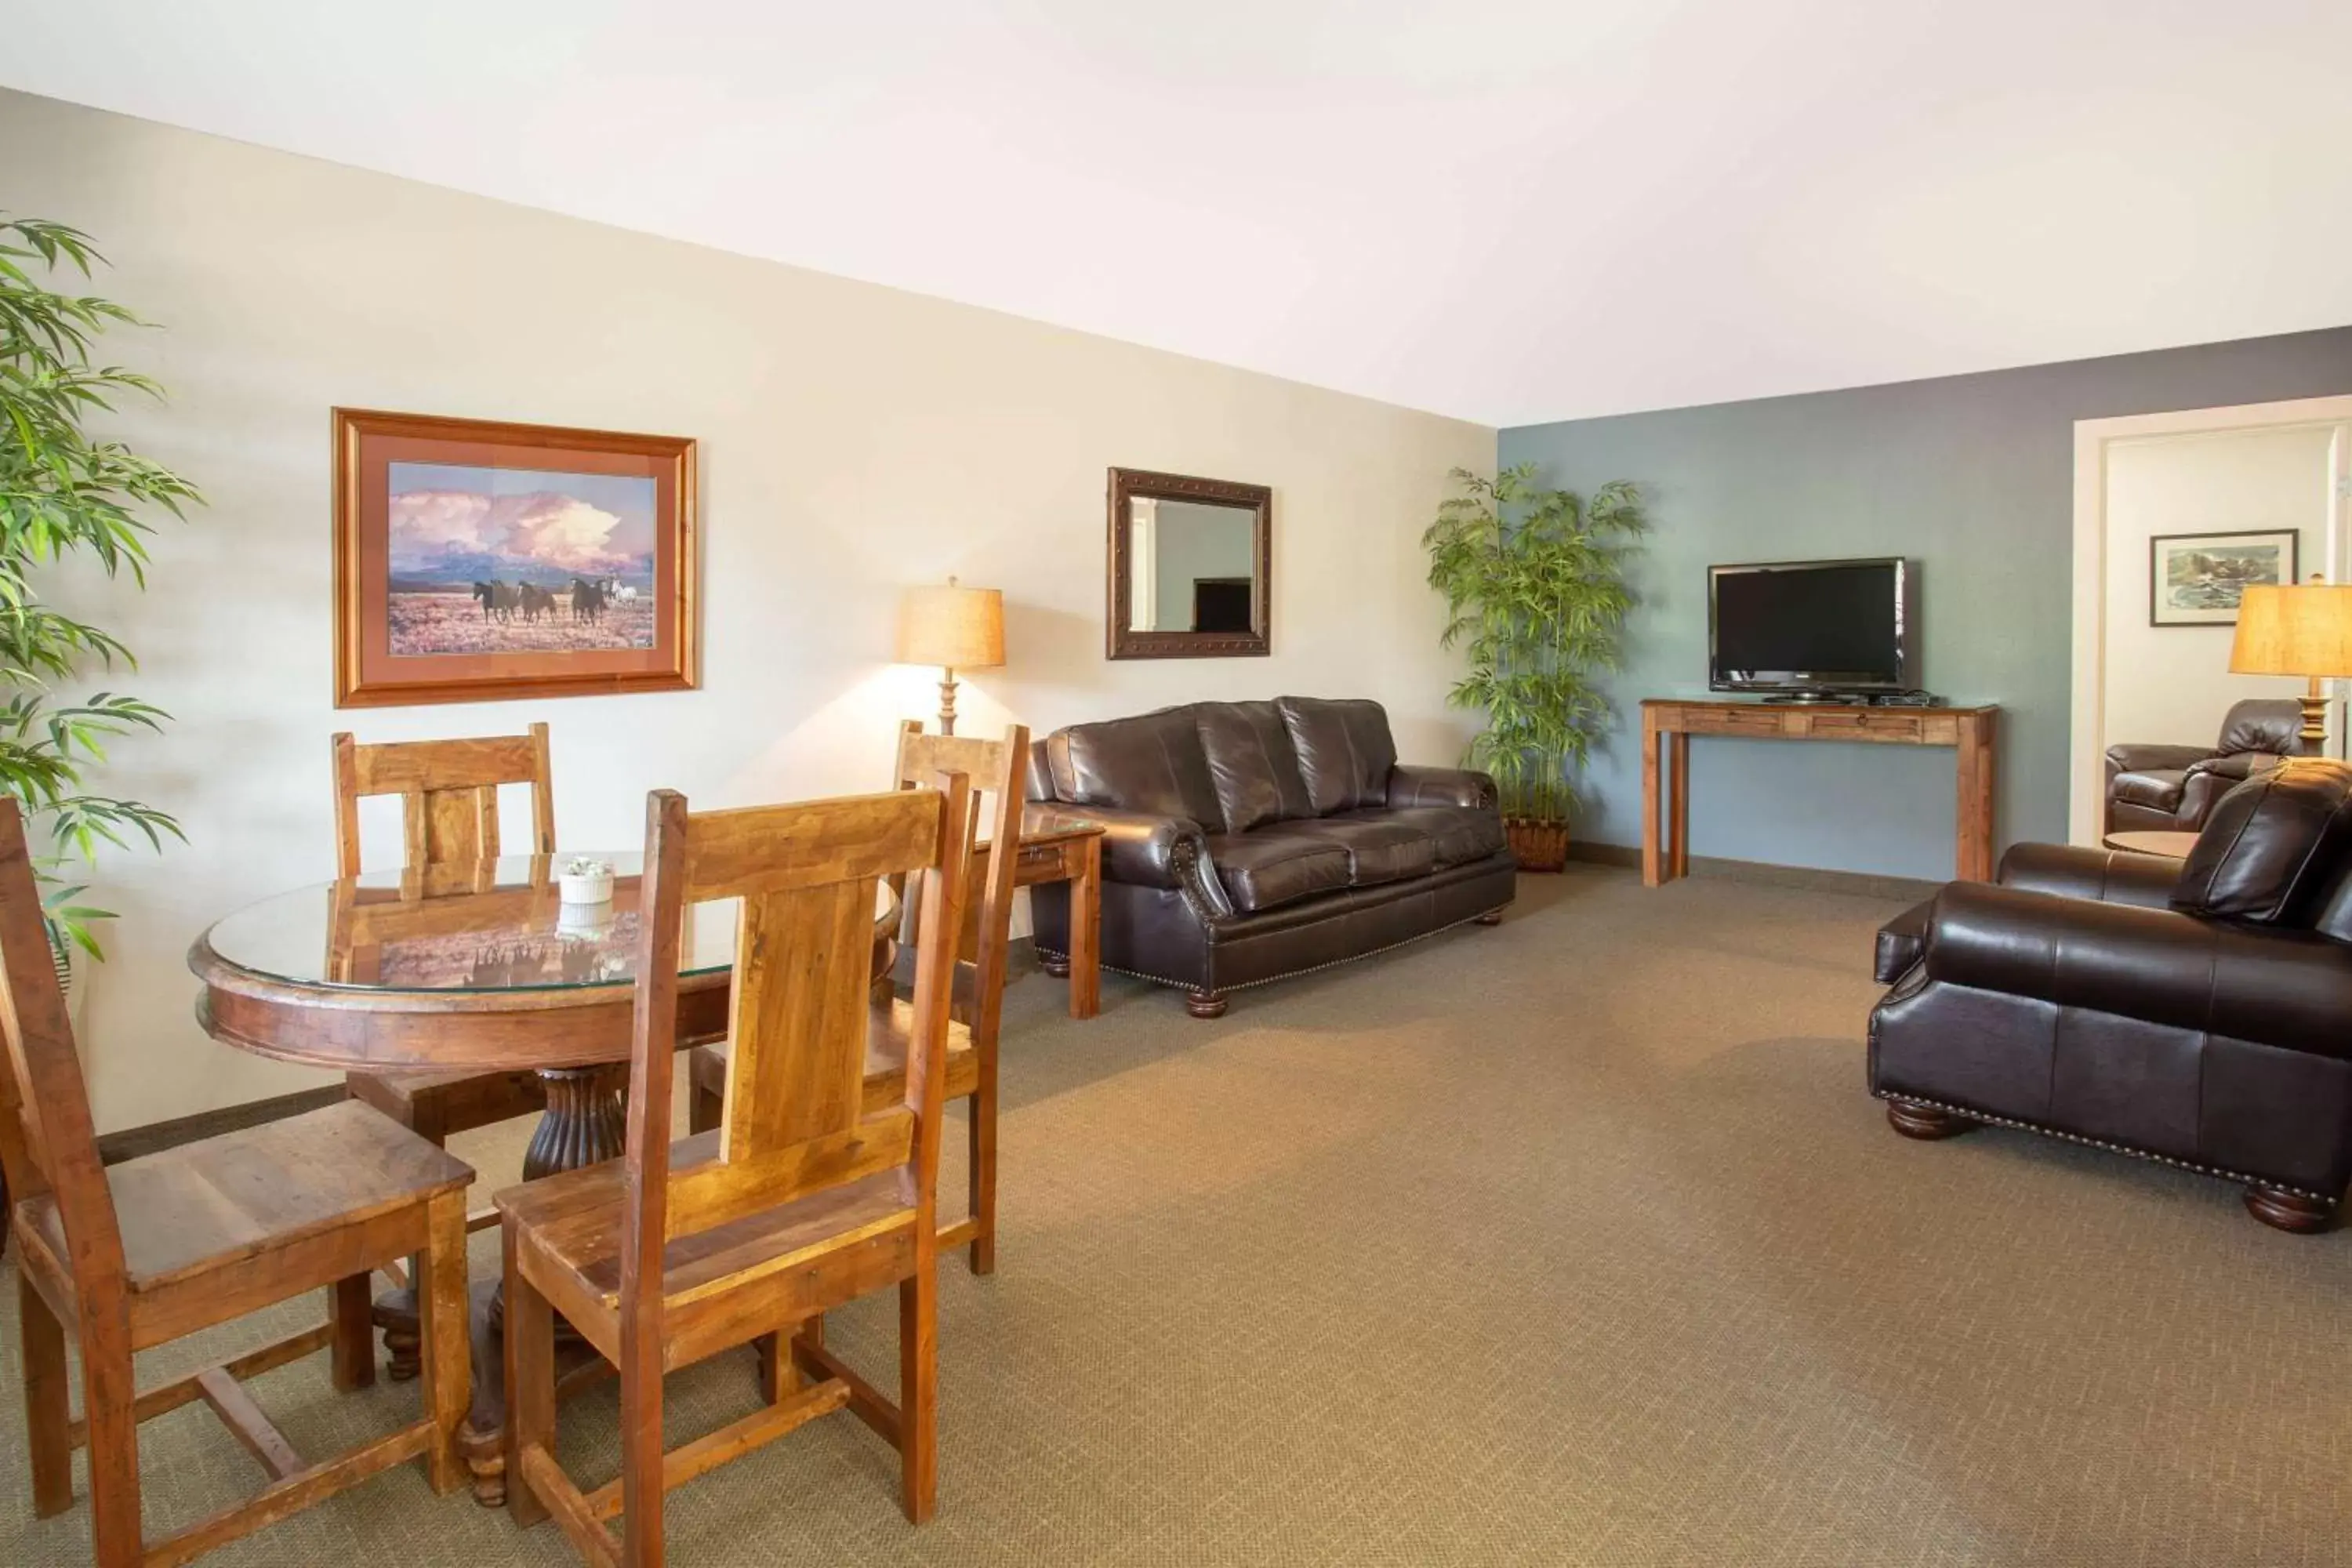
1668	723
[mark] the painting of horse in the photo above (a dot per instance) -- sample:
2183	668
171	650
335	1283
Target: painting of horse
476	560
496	560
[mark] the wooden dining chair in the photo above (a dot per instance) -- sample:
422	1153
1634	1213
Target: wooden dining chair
807	1195
993	767
449	815
128	1257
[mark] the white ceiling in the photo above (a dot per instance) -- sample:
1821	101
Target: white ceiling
1510	212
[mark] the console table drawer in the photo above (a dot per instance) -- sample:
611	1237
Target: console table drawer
1903	727
1753	720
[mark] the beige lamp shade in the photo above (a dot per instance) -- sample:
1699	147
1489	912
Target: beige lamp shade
2304	628
956	628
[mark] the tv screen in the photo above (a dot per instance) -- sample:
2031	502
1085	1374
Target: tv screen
1810	625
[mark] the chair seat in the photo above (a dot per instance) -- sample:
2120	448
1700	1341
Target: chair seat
572	1223
189	1212
887	1033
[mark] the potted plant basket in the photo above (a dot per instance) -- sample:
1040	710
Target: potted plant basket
1535	594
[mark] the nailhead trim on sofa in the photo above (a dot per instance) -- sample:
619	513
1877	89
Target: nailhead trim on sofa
2111	1148
1291	974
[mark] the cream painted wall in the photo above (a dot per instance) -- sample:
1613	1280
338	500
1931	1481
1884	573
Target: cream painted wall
2173	684
853	439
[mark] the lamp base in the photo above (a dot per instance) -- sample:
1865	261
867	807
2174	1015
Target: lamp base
2315	715
947	703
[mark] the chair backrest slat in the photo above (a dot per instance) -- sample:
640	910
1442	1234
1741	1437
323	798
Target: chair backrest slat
794	1120
48	1144
995	769
449	793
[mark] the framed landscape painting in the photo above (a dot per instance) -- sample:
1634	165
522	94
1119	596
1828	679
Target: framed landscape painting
2195	579
476	561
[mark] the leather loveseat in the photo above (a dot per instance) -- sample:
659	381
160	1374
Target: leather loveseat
1247	841
2172	788
2197	1014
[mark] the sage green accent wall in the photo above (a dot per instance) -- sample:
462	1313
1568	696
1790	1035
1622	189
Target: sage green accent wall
1972	478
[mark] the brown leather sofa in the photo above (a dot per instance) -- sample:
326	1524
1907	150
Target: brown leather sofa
2199	1014
2173	788
1247	841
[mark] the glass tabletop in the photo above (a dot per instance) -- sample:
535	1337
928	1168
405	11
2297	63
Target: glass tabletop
497	925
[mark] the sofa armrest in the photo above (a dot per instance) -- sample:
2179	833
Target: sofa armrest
1145	851
2104	875
2234	767
2285	988
2131	758
1410	786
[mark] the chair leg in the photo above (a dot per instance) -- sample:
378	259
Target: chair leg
982	1257
350	1308
642	1498
704	1110
778	1376
110	1412
447	1339
48	1402
919	1390
531	1385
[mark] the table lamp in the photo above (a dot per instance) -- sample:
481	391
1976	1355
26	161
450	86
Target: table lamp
2300	628
955	628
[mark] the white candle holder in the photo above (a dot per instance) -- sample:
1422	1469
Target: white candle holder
586	881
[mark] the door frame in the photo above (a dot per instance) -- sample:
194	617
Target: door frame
2087	784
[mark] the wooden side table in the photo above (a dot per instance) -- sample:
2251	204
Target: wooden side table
1069	853
2152	841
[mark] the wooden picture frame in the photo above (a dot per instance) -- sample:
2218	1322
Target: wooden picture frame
2232	555
1123	638
478	561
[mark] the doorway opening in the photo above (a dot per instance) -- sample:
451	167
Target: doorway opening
2173	514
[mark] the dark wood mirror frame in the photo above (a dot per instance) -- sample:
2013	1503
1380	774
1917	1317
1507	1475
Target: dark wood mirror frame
1126	484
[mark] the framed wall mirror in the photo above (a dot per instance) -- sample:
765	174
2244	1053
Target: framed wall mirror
1191	567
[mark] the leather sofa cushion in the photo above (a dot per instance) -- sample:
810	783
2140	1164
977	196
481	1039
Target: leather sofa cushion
1458	834
1252	764
1151	763
2272	849
2158	789
2103	876
1344	749
2270	724
1278	865
1379	848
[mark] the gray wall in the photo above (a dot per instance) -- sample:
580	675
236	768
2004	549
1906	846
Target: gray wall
1972	477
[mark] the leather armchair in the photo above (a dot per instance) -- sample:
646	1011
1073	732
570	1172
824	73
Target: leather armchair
2174	788
2194	1014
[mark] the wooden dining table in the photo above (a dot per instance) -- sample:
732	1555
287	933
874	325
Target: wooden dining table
472	968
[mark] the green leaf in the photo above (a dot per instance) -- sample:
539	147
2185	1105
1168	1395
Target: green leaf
67	490
1533	581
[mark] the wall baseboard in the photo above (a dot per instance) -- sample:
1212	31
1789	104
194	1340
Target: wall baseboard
1861	884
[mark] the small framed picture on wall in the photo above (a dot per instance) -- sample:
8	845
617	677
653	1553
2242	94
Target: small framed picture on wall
2195	579
475	561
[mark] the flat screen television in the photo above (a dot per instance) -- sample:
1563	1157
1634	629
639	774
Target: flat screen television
1812	628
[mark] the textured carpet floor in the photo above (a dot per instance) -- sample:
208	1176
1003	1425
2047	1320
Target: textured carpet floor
1574	1242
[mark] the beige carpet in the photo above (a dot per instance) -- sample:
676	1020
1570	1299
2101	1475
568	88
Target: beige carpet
1573	1242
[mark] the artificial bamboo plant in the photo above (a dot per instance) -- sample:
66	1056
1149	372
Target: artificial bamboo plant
65	492
1535	593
